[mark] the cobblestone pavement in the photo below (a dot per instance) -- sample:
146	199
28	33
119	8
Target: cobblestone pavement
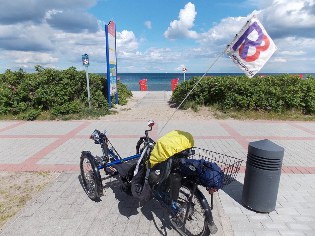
64	209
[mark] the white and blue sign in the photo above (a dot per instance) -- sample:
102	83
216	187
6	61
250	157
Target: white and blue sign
85	60
111	61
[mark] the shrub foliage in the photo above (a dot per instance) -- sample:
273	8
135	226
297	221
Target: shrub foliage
57	92
271	93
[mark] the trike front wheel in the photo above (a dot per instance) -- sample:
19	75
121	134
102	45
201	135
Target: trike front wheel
91	178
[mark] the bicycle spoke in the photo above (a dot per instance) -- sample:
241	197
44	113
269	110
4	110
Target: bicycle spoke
195	223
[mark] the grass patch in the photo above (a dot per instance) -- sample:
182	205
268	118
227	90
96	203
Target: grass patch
8	117
218	113
261	115
85	113
19	188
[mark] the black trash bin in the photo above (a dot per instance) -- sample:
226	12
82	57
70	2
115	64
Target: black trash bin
262	175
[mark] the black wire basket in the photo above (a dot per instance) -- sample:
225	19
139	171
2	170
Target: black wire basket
229	165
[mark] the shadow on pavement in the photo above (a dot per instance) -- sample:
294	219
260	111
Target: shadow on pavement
129	206
234	190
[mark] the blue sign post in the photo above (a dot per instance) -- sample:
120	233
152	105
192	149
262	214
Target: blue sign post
86	63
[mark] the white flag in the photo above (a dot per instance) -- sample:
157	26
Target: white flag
251	48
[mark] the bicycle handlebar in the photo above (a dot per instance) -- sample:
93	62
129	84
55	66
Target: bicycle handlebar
99	137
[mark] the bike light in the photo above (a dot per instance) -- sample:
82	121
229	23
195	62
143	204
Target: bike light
94	135
150	123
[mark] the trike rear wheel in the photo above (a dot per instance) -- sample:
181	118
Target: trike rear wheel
91	178
196	223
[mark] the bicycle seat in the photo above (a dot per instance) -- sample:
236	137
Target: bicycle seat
126	167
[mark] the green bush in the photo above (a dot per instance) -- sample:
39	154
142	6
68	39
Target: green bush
271	93
57	92
123	93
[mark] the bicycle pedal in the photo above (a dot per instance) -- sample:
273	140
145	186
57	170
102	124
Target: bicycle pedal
176	210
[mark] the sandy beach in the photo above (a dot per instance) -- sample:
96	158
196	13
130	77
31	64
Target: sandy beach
140	107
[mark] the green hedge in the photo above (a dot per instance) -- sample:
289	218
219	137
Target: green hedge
271	93
57	92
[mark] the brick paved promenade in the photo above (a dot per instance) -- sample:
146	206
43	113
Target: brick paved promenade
64	209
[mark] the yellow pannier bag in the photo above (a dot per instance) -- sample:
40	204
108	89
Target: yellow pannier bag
170	144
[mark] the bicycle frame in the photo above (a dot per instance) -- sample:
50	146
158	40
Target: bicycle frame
101	138
118	161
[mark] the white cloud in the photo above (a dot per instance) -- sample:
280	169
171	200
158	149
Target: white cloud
151	60
72	45
28	38
50	13
285	18
223	31
288	13
74	21
30	59
158	54
280	59
29	45
292	53
295	46
181	28
25	37
126	41
148	24
34	11
35	58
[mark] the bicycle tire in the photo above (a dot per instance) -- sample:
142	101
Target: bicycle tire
91	177
196	223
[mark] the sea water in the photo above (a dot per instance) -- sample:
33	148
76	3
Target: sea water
156	81
163	81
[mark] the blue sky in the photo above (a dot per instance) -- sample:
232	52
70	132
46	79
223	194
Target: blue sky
152	36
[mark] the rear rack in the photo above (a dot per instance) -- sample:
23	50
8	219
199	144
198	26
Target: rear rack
229	165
